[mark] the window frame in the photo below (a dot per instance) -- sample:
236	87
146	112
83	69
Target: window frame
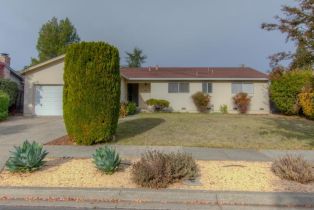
206	85
242	83
178	89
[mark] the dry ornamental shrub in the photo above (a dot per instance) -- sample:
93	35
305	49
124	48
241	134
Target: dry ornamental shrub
158	170
293	168
152	170
123	110
242	102
201	101
183	166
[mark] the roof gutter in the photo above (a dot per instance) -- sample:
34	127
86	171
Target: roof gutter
197	79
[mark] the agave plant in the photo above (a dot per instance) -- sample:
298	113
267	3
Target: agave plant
26	158
106	160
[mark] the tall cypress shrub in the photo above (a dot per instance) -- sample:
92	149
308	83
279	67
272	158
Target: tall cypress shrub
91	95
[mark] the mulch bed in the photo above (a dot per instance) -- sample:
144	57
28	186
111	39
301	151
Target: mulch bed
214	176
64	140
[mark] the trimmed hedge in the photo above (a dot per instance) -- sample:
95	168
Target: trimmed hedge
161	103
4	105
11	89
91	95
285	89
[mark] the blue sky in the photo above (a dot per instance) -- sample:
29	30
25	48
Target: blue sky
170	32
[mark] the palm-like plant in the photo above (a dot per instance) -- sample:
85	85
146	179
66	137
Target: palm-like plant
26	158
136	58
106	160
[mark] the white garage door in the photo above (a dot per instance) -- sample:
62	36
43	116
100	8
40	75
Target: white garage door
48	100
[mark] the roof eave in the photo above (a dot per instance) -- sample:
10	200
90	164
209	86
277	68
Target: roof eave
37	66
197	79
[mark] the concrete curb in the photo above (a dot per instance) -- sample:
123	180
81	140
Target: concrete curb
154	198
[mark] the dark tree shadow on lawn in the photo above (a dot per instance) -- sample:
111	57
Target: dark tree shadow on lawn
135	127
295	129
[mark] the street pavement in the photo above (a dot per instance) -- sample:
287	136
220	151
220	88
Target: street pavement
207	208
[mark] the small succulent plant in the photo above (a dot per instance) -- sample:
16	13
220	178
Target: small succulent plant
26	158
106	160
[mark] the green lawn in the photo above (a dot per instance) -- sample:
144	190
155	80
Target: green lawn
217	130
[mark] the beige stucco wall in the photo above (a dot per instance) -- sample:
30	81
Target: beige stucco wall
49	75
182	102
222	95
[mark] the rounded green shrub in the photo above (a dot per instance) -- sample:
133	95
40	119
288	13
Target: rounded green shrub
158	104
4	105
284	90
10	88
131	108
91	95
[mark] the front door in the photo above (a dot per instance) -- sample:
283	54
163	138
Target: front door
133	93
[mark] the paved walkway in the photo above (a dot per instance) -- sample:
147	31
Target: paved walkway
198	153
41	129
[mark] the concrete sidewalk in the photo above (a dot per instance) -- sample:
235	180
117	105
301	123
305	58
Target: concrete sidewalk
152	199
196	152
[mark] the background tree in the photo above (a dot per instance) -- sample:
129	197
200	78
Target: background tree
136	58
54	37
298	25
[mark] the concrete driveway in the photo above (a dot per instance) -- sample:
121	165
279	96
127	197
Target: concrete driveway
40	129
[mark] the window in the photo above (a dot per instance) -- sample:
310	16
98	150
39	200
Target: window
184	87
173	87
242	87
207	87
178	87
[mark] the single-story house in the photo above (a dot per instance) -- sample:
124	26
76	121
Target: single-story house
44	85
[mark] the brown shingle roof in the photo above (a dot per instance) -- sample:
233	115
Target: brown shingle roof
161	73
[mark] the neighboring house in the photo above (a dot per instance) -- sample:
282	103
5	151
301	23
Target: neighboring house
6	72
44	85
